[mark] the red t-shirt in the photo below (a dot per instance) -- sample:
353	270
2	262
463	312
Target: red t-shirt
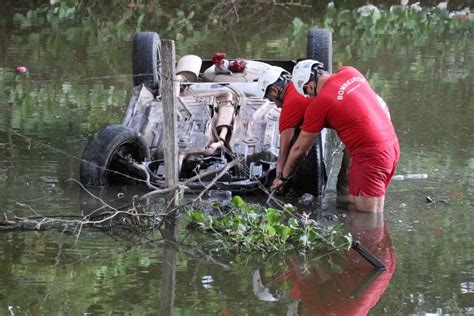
293	108
348	104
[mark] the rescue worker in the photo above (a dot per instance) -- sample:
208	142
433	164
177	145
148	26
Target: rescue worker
275	84
345	102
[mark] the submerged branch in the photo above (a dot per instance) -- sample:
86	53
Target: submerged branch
132	215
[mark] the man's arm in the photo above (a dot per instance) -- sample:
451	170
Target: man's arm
285	144
298	151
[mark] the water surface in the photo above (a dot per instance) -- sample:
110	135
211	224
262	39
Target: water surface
80	78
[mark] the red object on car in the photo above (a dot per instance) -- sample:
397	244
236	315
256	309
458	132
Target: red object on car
224	66
218	58
237	65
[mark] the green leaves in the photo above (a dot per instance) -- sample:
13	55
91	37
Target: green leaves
252	227
238	202
293	223
273	216
284	232
197	216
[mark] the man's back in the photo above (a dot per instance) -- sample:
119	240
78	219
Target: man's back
347	103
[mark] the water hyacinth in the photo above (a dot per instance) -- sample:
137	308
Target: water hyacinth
248	227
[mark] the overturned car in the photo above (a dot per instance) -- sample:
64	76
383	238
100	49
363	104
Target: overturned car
221	116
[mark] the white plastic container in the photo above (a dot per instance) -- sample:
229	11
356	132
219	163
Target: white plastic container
189	67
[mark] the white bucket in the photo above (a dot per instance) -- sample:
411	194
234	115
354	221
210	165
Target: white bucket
189	67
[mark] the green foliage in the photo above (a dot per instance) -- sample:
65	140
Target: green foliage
248	227
382	26
182	24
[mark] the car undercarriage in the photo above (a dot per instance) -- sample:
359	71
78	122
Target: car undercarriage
220	117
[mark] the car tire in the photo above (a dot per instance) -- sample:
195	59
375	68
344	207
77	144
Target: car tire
319	47
146	60
311	177
107	155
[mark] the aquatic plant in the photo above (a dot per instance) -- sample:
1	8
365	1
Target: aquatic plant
247	227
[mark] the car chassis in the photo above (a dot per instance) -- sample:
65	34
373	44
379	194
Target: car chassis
221	116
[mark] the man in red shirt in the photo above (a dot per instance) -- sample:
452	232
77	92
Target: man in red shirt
275	84
345	102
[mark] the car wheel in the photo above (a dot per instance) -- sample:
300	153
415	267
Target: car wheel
311	175
319	47
108	156
146	60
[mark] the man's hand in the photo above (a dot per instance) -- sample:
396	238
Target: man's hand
299	150
277	185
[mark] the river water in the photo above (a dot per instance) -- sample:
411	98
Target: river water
79	78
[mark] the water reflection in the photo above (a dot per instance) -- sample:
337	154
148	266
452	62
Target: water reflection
95	201
342	285
168	278
423	72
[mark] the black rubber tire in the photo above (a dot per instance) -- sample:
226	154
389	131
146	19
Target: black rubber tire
101	156
311	177
319	47
146	60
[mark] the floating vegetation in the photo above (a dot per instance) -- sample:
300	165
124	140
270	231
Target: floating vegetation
408	20
247	227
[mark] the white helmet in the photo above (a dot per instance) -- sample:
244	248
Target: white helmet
268	77
302	73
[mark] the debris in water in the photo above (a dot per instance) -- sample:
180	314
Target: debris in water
219	195
467	287
21	69
207	281
331	217
305	199
429	200
410	176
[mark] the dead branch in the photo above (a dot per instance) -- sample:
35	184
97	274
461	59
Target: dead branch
42	223
132	215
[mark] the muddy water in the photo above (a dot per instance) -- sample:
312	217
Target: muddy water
79	78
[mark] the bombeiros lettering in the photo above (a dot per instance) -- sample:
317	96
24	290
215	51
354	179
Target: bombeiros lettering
348	83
